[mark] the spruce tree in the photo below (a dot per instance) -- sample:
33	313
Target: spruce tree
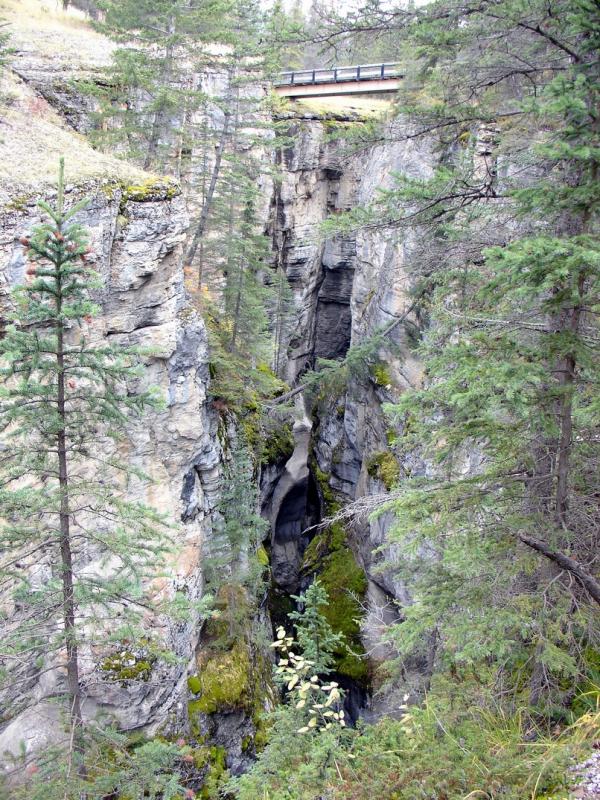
498	539
76	554
315	636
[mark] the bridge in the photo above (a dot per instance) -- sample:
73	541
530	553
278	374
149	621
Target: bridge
361	79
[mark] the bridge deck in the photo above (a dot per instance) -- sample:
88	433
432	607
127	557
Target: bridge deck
359	79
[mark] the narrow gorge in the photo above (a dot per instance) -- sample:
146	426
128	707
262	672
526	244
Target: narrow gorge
288	273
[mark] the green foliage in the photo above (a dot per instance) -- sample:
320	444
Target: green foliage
239	530
329	557
4	44
149	102
293	766
279	445
118	766
311	723
314	634
506	417
431	752
330	378
381	374
215	777
451	750
223	682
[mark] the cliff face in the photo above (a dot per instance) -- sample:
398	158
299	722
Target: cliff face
345	289
137	234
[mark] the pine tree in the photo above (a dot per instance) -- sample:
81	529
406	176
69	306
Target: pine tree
498	540
76	553
314	634
231	555
153	91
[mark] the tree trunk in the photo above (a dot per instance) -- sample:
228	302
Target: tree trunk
199	232
160	118
207	204
238	303
587	581
66	555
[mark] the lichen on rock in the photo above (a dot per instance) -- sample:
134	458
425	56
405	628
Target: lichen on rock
151	190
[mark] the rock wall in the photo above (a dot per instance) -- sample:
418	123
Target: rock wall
137	242
138	224
344	289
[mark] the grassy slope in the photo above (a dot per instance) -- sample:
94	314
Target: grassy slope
32	135
41	30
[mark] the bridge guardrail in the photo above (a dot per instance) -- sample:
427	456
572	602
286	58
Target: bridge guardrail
360	72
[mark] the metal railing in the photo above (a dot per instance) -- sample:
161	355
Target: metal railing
361	72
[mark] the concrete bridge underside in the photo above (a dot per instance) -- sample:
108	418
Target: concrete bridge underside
338	88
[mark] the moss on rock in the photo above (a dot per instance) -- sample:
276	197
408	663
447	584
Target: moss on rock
151	190
329	556
346	584
381	374
222	681
212	762
125	666
385	467
278	445
262	556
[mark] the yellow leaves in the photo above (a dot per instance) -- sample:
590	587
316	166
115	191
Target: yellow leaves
294	671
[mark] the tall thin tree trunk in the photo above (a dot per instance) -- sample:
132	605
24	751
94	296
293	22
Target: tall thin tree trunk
208	199
568	320
199	232
160	117
238	304
66	555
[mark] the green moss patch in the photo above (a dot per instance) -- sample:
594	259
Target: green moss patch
385	467
262	556
232	672
381	374
329	556
126	666
150	190
278	445
221	682
212	761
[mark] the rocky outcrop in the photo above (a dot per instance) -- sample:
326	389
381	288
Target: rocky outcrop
137	224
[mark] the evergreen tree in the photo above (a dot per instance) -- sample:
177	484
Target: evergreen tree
499	547
153	89
231	555
76	553
314	634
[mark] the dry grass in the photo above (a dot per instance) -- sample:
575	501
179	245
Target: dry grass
41	30
33	137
